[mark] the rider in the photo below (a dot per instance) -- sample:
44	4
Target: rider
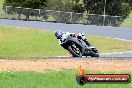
63	35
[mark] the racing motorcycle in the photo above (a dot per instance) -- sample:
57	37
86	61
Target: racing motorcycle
78	48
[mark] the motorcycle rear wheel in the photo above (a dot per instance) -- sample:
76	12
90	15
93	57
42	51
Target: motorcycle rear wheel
94	55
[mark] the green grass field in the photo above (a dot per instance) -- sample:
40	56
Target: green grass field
60	79
26	42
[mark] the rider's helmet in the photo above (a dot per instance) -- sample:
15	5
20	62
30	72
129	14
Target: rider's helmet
58	34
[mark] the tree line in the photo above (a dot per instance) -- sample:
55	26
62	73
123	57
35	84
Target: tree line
113	7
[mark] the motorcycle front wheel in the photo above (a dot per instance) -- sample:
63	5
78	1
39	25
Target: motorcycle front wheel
75	50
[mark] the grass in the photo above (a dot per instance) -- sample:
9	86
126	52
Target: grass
110	45
128	21
60	79
26	42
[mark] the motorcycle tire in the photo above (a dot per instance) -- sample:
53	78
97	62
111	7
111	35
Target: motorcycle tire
74	54
94	54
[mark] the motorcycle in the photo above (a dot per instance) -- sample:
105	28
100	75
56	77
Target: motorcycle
78	48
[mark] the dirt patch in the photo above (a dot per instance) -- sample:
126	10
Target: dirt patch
59	64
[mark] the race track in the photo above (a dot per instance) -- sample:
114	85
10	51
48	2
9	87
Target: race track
114	32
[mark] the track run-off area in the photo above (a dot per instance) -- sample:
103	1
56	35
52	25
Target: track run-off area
69	63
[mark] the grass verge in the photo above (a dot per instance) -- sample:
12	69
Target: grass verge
60	79
109	45
21	42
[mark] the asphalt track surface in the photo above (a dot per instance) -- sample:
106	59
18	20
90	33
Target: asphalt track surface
113	32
